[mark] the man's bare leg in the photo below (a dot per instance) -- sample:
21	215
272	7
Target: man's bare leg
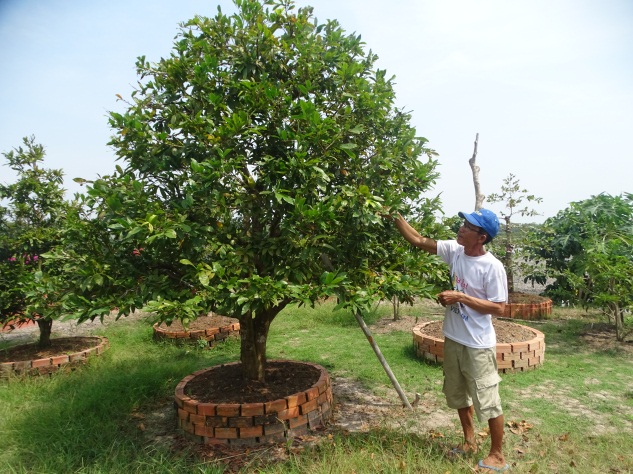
468	426
495	457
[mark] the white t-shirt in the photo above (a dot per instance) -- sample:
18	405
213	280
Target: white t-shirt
481	277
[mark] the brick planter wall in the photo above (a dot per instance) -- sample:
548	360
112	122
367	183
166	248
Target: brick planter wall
511	357
211	335
53	364
255	423
529	311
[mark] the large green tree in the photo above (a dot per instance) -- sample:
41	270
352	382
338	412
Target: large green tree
256	161
588	252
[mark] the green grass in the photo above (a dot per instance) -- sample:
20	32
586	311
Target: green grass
576	411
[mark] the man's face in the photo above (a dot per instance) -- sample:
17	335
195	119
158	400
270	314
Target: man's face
469	234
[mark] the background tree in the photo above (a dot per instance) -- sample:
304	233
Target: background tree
256	159
588	251
517	202
31	224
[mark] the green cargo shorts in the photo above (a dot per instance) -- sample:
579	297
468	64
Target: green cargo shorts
471	378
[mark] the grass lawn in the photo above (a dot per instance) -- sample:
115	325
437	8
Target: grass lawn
574	414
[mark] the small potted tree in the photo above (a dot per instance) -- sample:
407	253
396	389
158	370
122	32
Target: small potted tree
511	247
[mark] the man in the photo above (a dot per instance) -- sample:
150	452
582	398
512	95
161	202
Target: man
480	291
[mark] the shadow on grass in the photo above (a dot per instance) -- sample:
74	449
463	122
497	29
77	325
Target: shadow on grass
85	420
379	450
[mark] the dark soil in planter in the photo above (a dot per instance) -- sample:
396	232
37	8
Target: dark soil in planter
525	298
59	346
227	384
507	333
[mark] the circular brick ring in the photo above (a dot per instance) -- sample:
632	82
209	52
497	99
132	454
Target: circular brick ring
511	357
255	423
211	335
49	365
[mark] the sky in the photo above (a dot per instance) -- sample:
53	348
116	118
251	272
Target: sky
547	84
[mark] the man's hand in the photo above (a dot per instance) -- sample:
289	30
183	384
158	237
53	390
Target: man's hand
449	297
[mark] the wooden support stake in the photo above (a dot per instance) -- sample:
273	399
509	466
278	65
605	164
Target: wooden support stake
381	358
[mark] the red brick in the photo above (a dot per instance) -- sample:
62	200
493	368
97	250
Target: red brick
312	393
251	432
534	345
183	415
504	364
424	348
191	406
438	349
240	421
298	431
197	419
519	346
215	441
289	413
275	406
212	331
217	421
227	433
504	349
298	421
228	409
307	407
251	409
279	428
41	363
207	409
59	360
202	430
265	419
324	382
296	400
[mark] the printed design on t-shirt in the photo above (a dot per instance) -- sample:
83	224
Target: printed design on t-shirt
459	285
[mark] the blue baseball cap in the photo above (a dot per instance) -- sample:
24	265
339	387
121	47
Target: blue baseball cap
483	218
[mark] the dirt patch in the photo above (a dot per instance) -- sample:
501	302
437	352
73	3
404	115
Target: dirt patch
506	332
601	337
525	298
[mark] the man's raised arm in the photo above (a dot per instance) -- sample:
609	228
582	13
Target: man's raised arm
413	236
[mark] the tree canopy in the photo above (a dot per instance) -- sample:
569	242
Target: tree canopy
588	252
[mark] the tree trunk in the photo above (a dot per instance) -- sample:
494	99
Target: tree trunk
46	327
508	256
618	316
254	336
396	308
479	198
